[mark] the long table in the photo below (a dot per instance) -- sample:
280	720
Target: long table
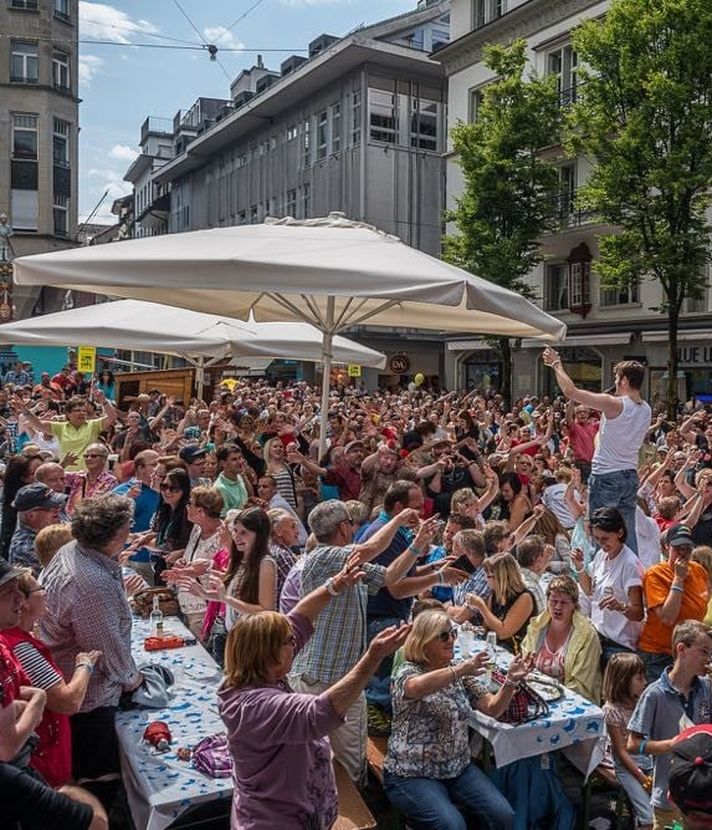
574	725
161	787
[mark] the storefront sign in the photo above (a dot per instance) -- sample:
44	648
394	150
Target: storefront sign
399	364
695	355
354	370
86	359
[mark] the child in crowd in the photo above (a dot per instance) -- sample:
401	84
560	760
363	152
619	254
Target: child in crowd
681	697
49	540
623	684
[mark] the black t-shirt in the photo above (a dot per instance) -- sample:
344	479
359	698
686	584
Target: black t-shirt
30	804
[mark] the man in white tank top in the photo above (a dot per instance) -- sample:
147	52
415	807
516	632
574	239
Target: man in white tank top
625	421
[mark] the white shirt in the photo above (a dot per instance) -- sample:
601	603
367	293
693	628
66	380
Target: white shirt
620	438
616	576
553	499
278	501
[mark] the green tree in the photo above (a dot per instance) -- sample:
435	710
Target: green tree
510	191
645	118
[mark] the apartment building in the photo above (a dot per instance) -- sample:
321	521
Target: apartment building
39	123
604	325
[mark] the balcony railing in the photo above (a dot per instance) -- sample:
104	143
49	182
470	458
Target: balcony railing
23	79
567	213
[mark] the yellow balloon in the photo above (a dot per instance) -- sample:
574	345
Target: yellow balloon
419	378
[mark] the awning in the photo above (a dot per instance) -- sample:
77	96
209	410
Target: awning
682	336
470	345
618	339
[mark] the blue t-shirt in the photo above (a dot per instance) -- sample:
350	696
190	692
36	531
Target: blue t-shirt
146	504
383	604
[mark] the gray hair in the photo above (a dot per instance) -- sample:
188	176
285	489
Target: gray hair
326	517
96	522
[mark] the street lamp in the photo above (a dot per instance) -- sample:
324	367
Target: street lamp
6	257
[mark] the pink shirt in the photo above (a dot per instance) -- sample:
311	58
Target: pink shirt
581	438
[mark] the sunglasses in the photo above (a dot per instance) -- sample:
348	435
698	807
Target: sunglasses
170	488
94	455
446	636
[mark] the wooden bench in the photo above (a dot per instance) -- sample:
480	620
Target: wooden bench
353	812
375	755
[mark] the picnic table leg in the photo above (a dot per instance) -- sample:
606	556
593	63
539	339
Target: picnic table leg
586	804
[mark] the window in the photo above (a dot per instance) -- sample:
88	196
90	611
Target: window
61	9
476	98
578	284
619	296
60	212
424	124
29	5
306	144
556	286
60	143
322	135
253	215
356	117
566	208
485	11
60	70
241	217
24	207
292	202
292	132
563	65
382	115
306	200
24	136
23	62
336	128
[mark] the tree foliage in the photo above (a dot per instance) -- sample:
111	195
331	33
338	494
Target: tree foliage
645	119
509	197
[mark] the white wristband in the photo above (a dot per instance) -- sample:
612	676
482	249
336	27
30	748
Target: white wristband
330	587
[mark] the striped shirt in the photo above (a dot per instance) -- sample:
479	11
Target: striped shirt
42	673
339	637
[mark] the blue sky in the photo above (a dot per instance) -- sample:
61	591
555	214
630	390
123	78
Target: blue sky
121	84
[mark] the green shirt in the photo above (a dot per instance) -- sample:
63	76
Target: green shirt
234	493
76	439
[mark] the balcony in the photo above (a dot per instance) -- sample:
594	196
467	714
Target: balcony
154	125
24	79
567	214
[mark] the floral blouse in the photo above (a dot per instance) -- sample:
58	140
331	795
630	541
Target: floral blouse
430	736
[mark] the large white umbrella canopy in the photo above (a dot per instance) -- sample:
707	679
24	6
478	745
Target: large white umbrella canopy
330	272
199	338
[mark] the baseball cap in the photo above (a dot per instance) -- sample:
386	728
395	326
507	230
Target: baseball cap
37	496
690	780
680	536
7	572
191	453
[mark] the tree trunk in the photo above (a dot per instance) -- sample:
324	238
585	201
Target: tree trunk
672	400
505	350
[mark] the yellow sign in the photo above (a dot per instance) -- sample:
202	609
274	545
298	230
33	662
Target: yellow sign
86	359
354	370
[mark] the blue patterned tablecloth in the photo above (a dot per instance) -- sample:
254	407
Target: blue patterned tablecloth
161	787
573	724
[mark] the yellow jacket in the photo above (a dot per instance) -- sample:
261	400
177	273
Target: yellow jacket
582	662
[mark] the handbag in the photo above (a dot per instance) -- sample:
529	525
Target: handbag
525	705
212	757
142	602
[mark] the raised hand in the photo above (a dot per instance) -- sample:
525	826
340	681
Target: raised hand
388	641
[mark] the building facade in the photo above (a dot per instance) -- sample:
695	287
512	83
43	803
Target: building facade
39	125
604	325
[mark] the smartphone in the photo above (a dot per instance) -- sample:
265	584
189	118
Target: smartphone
463	564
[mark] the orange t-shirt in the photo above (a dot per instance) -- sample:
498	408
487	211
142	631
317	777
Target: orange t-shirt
656	637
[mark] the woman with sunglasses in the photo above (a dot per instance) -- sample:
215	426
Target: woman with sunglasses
428	767
19	472
170	522
564	643
614	583
95	480
52	757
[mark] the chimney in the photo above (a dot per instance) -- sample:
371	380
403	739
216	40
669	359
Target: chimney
260	64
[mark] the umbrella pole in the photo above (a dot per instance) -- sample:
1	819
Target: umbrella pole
200	378
326	342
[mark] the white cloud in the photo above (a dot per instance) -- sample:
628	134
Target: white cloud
89	66
221	37
123	152
100	21
104	173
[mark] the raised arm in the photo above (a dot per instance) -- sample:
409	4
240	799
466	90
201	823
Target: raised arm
610	405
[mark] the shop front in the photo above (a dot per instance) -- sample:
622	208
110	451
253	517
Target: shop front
694	369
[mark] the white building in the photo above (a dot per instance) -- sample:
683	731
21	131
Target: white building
604	325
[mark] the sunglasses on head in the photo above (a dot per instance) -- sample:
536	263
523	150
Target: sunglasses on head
449	634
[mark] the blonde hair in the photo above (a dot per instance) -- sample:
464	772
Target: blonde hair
426	627
49	540
209	499
506	576
564	584
461	497
703	555
620	671
253	646
472	541
688	632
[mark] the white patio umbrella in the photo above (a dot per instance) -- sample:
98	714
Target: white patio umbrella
200	339
330	272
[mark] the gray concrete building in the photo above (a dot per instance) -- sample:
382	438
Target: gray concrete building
39	124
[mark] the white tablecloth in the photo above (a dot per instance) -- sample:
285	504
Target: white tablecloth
574	724
160	787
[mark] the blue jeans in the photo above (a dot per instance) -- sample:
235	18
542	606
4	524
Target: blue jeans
429	804
637	796
619	490
378	689
655	664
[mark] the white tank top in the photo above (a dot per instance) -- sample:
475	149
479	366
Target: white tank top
620	438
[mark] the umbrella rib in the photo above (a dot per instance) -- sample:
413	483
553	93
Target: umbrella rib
354	321
312	306
285	303
344	312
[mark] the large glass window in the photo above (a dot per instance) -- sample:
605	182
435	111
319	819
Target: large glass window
619	296
356	117
556	286
60	143
306	143
485	11
60	70
23	62
335	128
424	124
60	211
24	136
306	200
562	64
61	9
292	202
322	135
382	116
30	5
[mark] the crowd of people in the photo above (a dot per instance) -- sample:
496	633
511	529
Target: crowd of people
331	587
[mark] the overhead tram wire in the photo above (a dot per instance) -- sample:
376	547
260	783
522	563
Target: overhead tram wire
180	8
242	17
130	29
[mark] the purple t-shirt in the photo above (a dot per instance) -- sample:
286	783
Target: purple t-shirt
283	775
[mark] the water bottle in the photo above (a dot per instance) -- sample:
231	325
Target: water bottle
466	641
490	665
156	619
